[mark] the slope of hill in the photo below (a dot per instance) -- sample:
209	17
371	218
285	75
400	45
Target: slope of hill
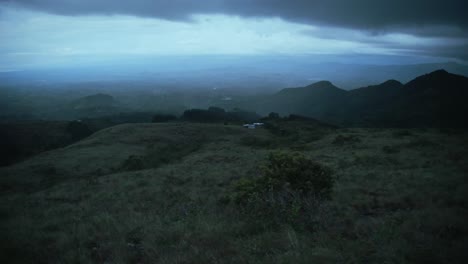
375	94
321	100
437	99
368	104
157	193
21	140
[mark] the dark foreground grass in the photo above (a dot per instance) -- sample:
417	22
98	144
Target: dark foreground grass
399	197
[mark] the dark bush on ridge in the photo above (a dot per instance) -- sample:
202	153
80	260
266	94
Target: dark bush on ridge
216	109
201	115
273	115
78	130
160	118
216	114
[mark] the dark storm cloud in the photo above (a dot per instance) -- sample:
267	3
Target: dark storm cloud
455	52
370	15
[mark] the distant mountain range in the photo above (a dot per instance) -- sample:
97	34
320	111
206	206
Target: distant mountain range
237	74
437	99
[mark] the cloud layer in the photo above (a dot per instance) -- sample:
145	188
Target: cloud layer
371	15
425	30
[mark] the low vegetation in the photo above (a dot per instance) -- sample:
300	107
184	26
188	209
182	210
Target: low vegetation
130	194
288	173
287	184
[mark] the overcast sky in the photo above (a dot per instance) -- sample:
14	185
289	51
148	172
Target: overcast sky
37	32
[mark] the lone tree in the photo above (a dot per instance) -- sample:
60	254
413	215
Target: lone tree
273	115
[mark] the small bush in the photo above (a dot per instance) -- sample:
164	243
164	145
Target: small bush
245	189
273	115
298	172
286	172
290	172
341	140
287	184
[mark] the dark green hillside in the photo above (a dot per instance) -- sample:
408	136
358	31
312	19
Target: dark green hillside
369	105
214	193
374	96
321	100
437	99
19	141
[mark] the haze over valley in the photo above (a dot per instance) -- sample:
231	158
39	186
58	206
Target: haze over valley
233	131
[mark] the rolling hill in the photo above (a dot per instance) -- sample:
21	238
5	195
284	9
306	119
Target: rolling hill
96	105
159	193
437	99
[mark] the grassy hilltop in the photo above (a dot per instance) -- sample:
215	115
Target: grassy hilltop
160	193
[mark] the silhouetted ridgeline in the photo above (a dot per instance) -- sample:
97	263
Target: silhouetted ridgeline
437	99
216	114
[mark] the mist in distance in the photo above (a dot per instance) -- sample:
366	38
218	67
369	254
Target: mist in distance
251	46
160	56
233	131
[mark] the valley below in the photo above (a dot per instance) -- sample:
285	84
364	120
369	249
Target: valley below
233	131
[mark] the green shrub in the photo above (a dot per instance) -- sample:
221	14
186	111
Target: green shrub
286	172
288	183
245	189
273	115
297	173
